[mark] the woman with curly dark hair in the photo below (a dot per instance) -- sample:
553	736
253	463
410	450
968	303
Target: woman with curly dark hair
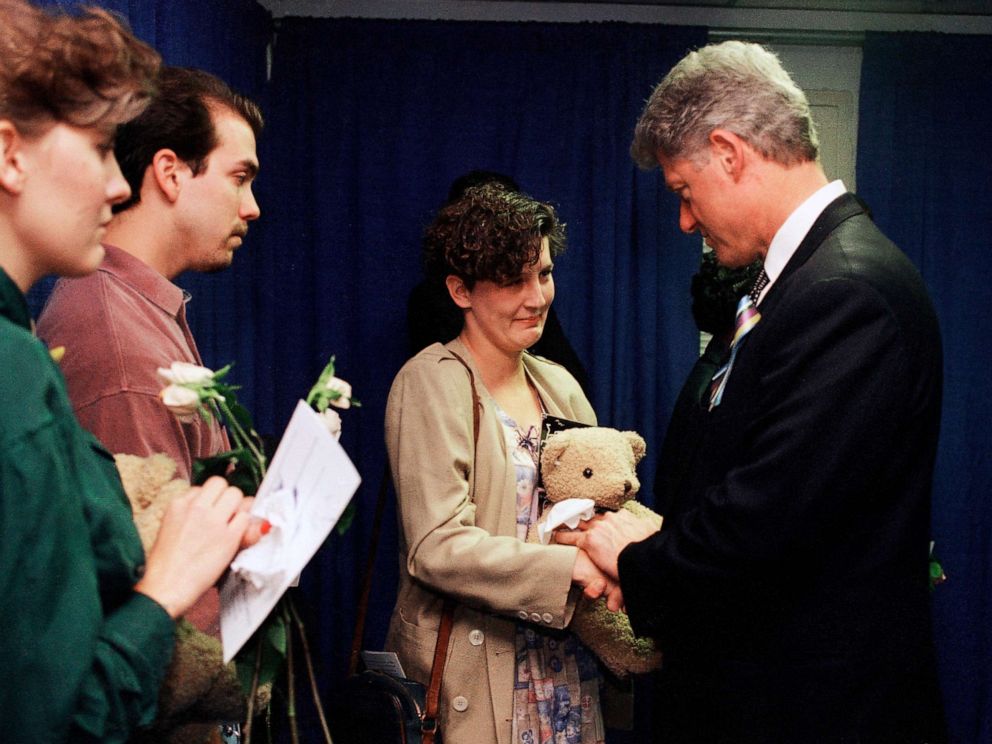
466	488
87	619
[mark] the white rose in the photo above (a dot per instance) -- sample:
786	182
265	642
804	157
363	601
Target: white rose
182	401
332	421
184	373
342	387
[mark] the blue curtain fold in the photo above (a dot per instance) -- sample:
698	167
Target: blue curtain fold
923	169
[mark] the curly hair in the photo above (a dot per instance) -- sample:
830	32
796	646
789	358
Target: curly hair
83	70
734	85
490	234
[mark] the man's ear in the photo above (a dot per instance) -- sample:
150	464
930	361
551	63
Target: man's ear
11	157
166	172
458	291
729	151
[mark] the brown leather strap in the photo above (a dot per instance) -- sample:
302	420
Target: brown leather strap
429	724
429	721
476	403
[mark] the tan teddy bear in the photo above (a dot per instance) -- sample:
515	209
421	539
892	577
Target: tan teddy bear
199	690
598	463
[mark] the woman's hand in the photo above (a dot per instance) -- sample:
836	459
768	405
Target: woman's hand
200	534
595	583
257	527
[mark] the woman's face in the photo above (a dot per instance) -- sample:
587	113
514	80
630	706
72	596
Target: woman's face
511	316
69	180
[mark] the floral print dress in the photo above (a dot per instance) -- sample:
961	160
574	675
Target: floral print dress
557	681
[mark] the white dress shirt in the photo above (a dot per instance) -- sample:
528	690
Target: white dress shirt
794	229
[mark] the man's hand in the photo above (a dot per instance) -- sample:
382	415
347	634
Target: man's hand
614	600
604	537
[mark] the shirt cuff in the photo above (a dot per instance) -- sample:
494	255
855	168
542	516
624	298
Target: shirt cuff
144	627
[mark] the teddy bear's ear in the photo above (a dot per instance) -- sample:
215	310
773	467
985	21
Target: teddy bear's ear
637	445
554	447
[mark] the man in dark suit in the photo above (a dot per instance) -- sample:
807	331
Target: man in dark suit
788	585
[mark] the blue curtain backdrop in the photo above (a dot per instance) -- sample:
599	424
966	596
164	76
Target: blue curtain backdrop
924	170
370	121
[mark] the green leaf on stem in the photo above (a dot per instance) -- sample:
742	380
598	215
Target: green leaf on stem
245	477
237	467
272	636
347	517
320	386
242	415
206	467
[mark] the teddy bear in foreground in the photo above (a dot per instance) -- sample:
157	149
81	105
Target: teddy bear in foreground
586	469
199	689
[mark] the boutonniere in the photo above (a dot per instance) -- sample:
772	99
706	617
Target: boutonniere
937	575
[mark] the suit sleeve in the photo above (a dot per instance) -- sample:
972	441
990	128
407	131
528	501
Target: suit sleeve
827	402
429	436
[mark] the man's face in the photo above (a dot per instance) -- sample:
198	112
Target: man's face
711	203
217	204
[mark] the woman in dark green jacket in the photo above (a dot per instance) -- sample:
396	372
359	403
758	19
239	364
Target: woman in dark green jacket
86	620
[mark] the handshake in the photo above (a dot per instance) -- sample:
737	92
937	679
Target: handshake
597	467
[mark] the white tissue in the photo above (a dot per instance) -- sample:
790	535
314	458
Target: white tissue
262	562
568	513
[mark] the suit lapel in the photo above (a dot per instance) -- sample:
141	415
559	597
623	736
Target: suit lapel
840	209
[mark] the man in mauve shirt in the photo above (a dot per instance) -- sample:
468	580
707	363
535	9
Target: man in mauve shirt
190	161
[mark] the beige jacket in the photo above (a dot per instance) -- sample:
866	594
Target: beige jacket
458	537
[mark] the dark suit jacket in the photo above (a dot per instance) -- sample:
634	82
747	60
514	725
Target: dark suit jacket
788	587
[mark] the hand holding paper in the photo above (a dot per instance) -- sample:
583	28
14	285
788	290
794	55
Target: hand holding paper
306	488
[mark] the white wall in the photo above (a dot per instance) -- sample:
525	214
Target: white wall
804	21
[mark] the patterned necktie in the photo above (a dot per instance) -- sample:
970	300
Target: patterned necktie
759	284
747	318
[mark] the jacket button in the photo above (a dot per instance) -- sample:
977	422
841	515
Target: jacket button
523	614
535	617
459	703
548	618
476	637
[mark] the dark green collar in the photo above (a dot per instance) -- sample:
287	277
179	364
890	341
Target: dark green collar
13	306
